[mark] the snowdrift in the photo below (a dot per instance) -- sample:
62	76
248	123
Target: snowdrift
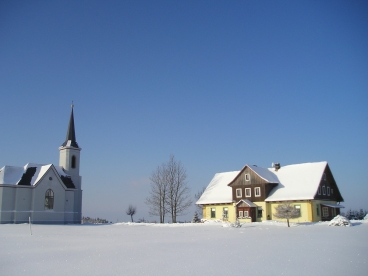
339	221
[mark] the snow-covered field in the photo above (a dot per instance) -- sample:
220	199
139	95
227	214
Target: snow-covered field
184	249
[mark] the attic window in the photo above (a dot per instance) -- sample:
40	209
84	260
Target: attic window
328	191
319	190
323	190
247	177
324	176
331	191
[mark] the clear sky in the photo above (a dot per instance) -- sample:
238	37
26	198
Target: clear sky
219	84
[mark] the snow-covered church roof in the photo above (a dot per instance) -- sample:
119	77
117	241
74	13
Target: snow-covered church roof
31	174
295	182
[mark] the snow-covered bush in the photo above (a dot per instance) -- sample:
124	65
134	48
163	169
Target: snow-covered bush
366	217
339	221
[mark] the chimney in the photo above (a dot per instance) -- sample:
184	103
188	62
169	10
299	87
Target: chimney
277	166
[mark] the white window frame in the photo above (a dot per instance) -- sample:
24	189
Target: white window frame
248	190
323	190
319	190
240	214
259	191
240	192
225	212
328	191
247	177
214	212
298	207
325	212
246	214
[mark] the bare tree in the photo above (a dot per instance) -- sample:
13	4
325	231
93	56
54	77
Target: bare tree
131	211
286	211
169	192
157	198
178	199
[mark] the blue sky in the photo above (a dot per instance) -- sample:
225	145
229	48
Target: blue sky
218	84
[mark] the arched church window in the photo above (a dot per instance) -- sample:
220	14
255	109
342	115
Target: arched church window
49	200
74	161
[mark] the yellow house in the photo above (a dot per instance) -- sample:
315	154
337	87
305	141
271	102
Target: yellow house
252	193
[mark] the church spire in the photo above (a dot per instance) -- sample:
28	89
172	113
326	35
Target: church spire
70	139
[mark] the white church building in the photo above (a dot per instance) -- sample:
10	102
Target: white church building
44	193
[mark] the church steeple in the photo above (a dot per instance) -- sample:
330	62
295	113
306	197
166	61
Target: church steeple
70	140
69	157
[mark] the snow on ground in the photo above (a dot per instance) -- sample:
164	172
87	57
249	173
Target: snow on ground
184	249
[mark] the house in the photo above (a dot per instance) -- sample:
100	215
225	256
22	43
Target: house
44	193
252	193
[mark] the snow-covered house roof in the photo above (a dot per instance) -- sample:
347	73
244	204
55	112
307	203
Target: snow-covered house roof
295	182
218	191
31	174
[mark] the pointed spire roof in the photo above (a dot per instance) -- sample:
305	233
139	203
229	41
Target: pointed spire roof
70	139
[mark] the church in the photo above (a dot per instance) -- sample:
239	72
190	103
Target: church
44	193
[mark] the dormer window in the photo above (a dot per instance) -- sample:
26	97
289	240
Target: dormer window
247	177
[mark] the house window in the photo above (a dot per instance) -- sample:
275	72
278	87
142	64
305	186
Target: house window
323	190
324	176
259	212
213	213
74	161
225	213
246	214
331	191
297	207
248	192
238	192
328	191
257	191
317	210
240	214
49	200
324	211
247	177
319	190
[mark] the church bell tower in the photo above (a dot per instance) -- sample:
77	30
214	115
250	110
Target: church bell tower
70	153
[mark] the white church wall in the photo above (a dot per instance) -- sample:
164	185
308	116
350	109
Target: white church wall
7	204
56	215
23	204
69	207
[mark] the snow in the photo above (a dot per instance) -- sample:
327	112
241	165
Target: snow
10	174
269	248
297	182
339	221
218	191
